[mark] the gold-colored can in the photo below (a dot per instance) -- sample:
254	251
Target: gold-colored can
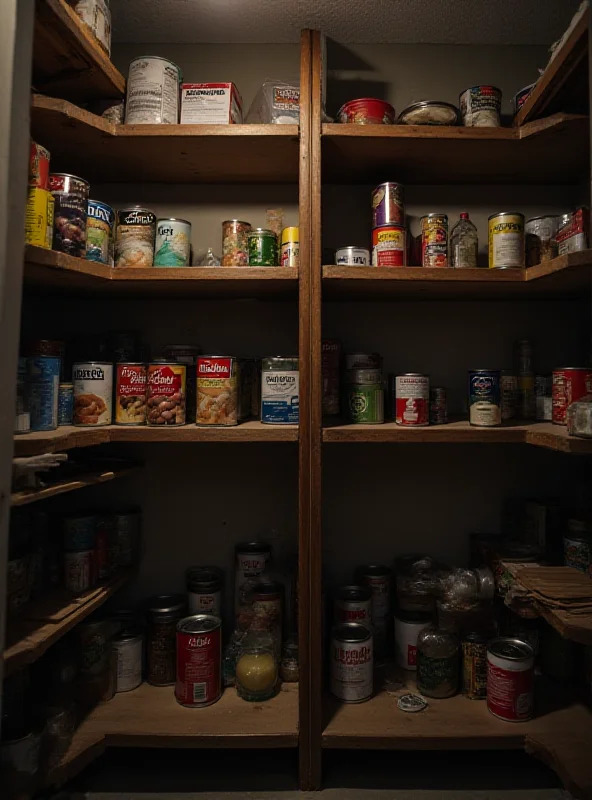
39	217
506	240
290	247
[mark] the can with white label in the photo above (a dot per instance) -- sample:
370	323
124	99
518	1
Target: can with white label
93	393
352	663
152	92
129	646
353	256
280	390
172	246
506	240
204	590
408	626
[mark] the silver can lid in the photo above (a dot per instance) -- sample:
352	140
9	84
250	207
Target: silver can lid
511	649
198	623
352	632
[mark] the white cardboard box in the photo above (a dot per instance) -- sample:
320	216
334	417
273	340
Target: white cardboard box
210	104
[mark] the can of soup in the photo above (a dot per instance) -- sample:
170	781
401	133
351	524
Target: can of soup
484	398
99	233
352	663
70	195
173	243
480	106
93	393
152	91
389	246
510	679
434	240
506	240
166	393
199	658
134	237
130	394
217	390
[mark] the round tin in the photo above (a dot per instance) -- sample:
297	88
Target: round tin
434	240
389	247
99	232
166	393
164	612
263	248
290	247
570	384
484	398
152	92
134	237
352	663
42	387
250	562
130	393
280	390
172	246
429	112
510	679
354	604
129	646
204	590
480	106
408	626
387	205
65	403
352	256
93	393
70	195
412	399
474	670
365	403
217	390
438	406
367	111
506	240
199	657
235	244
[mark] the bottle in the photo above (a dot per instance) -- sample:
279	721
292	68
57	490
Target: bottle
464	243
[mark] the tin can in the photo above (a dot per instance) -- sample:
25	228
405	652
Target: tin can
204	590
235	243
263	249
412	399
65	403
352	663
367	111
484	398
438	406
199	657
173	243
38	166
362	361
39	217
480	106
165	397
330	359
577	547
569	385
474	670
510	679
42	383
78	571
92	644
129	646
99	232
365	396
97	16
290	247
506	240
152	92
217	390
434	240
508	394
540	244
103	562
279	390
164	611
186	354
79	532
251	560
408	626
387	205
354	604
353	256
267	611
378	579
127	534
521	97
389	246
130	393
134	237
70	196
93	393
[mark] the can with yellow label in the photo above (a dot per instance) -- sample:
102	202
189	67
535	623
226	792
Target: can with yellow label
290	247
506	240
39	217
388	246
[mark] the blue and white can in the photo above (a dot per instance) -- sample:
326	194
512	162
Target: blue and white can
99	232
43	380
485	409
65	403
280	390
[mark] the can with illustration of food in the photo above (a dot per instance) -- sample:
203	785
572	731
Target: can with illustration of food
130	394
434	240
217	390
70	213
93	393
235	245
134	238
173	243
99	233
167	393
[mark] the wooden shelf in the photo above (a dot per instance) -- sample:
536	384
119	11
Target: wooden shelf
25	497
87	145
67	60
424	154
46	619
564	277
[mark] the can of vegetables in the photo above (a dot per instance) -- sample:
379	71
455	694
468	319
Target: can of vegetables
166	393
217	390
130	394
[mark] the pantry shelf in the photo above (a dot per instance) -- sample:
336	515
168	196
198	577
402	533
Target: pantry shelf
47	271
89	146
67	60
426	154
25	497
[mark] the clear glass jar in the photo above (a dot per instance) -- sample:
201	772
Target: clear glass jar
438	662
256	675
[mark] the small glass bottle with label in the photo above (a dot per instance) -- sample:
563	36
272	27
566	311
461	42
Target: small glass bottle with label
464	243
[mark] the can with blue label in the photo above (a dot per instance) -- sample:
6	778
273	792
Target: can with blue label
280	390
99	233
485	410
65	403
43	379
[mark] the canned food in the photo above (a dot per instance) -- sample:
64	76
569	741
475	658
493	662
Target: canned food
378	579
251	560
152	92
408	626
130	394
353	256
97	16
217	390
290	247
438	406
126	526
164	612
540	241
186	354
389	246
78	571
474	660
93	393
412	399
365	401
39	217
510	679
484	398
92	641
99	232
172	246
508	394
480	106
79	532
204	590
434	240
387	205
38	166
367	111
235	243
70	196
134	237
506	240
279	390
569	385
521	97
352	663
263	249
166	393
354	604
199	657
22	420
362	361
330	359
129	646
65	403
42	383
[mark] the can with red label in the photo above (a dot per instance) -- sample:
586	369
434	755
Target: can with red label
389	246
217	390
412	399
510	679
199	656
352	663
130	394
166	395
434	240
569	385
354	604
38	166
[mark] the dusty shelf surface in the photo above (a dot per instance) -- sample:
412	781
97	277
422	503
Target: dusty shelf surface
25	497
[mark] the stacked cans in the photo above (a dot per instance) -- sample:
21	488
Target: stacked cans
389	235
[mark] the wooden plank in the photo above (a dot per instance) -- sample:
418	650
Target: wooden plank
25	497
64	438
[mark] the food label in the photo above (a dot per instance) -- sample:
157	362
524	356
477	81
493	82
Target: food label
99	233
199	657
285	98
130	394
280	396
480	106
389	247
93	388
568	387
205	603
406	634
365	404
353	256
134	239
412	400
484	400
354	611
217	391
506	242
173	243
434	241
509	689
351	671
129	665
211	103
166	394
152	92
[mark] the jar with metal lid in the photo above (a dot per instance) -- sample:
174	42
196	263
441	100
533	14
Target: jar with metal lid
438	662
164	612
204	590
129	645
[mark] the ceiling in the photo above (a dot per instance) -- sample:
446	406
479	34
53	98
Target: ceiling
534	22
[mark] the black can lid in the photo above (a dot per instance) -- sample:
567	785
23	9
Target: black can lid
268	587
204	579
354	593
166	604
252	547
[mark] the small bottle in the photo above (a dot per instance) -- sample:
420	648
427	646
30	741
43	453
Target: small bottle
464	243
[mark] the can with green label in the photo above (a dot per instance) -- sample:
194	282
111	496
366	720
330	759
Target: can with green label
364	395
263	248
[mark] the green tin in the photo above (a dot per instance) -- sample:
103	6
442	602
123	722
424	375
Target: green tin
365	403
263	248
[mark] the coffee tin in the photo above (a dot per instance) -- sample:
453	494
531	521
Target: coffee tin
130	393
510	679
173	243
365	402
387	205
134	237
408	626
199	657
352	663
367	111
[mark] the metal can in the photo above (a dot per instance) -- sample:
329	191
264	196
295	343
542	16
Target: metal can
387	205
408	626
172	246
267	610
152	92
38	166
103	550
510	679
79	532
22	420
165	397
251	560
186	354
569	385
365	396
508	394
199	657
480	106
127	534
217	390
235	243
484	398
362	361
279	390
97	16
353	256
65	403
438	406
474	669
130	393
577	546
92	643
290	247
389	246
352	663
540	244
412	398
434	240
78	571
506	240
70	195
93	393
42	383
263	249
525	397
330	359
134	237
367	111
378	579
99	232
163	614
129	646
204	590
354	604
39	217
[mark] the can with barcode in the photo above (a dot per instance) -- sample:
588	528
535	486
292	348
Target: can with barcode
199	657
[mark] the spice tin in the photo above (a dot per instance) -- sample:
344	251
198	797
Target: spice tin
508	394
569	385
412	399
92	644
378	579
166	393
217	390
438	406
65	403
353	256
330	359
42	384
79	532
130	393
506	240
387	205
290	247
97	15
204	590
129	646
199	656
134	237
235	244
93	393
78	571
99	232
354	604
434	240
484	398
279	390
251	560
126	527
480	106
577	551
172	246
510	679
70	196
362	361
152	92
352	663
39	217
163	613
389	246
263	249
367	111
408	626
474	669
365	401
38	166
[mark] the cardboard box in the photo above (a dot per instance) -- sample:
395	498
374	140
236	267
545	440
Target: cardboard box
210	104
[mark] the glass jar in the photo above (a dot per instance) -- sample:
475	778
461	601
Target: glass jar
289	664
579	418
164	612
438	662
256	674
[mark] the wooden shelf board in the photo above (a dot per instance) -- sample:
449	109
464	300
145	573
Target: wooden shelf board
48	271
67	60
25	497
424	154
577	627
87	145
